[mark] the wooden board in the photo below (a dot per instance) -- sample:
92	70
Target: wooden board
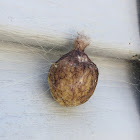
112	26
28	112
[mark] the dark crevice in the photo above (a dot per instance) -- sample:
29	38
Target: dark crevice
135	79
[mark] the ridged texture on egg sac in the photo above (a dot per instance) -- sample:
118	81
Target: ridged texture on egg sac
73	78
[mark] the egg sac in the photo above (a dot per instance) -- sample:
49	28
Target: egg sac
73	78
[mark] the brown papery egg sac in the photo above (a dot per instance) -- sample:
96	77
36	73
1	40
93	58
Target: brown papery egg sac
73	78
